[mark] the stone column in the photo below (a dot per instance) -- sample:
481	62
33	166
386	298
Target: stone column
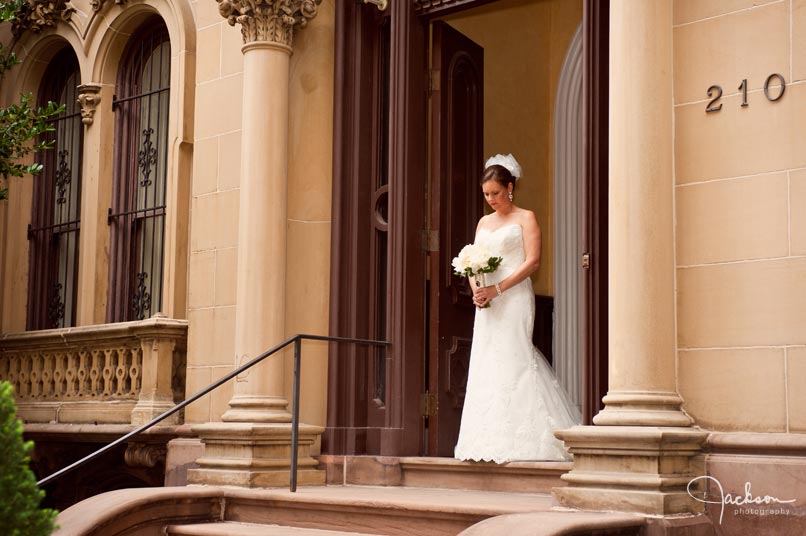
641	309
260	303
639	456
252	446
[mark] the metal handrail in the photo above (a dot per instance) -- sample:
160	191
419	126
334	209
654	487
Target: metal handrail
296	339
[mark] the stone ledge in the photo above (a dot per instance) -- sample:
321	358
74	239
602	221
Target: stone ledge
530	477
452	464
639	440
100	433
557	523
59	338
230	528
751	443
443	473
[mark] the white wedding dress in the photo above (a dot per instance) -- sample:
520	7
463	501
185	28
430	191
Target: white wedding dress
513	402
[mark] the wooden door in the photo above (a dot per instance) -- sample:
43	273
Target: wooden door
456	205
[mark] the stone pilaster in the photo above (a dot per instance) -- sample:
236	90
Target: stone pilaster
158	341
252	446
642	451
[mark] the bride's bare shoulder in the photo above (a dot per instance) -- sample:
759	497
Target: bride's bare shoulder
527	218
483	221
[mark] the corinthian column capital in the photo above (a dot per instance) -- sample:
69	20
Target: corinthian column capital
268	20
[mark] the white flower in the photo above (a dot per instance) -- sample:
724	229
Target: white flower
473	259
479	257
462	261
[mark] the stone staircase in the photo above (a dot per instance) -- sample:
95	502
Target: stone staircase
231	528
365	495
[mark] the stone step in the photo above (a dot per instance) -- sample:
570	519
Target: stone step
378	510
229	528
447	473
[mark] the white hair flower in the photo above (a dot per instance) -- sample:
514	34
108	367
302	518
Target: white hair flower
506	160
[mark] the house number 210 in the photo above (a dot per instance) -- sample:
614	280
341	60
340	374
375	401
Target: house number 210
715	92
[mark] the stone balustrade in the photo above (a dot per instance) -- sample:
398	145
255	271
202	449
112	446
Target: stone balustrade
128	372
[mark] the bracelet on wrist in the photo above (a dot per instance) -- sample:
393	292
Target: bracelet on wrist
498	289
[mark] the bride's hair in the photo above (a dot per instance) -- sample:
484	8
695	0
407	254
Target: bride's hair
500	174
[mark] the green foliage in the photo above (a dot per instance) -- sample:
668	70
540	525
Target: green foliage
20	514
20	123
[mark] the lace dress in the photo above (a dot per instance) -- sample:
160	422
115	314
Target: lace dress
513	401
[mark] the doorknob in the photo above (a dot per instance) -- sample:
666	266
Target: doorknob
586	260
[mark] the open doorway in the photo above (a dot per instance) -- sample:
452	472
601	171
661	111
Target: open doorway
505	78
387	241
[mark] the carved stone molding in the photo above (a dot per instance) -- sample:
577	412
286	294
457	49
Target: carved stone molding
89	95
98	4
268	20
145	454
35	15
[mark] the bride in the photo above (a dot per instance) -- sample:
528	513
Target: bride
513	403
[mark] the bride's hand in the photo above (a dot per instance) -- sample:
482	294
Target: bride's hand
484	295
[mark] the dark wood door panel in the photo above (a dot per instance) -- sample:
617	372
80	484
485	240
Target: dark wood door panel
457	104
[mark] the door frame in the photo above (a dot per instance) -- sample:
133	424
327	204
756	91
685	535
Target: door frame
595	100
400	432
396	429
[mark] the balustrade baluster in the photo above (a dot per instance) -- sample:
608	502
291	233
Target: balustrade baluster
120	371
58	375
46	375
96	388
134	370
71	376
108	371
35	376
83	375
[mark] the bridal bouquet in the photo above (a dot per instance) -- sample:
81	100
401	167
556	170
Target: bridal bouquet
476	260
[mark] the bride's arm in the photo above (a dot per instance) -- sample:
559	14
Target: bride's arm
531	246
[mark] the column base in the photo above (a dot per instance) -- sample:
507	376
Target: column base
643	469
257	409
642	408
254	455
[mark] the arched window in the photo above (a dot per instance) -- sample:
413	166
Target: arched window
137	215
56	210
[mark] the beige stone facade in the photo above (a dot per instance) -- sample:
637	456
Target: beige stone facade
707	231
205	175
738	215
